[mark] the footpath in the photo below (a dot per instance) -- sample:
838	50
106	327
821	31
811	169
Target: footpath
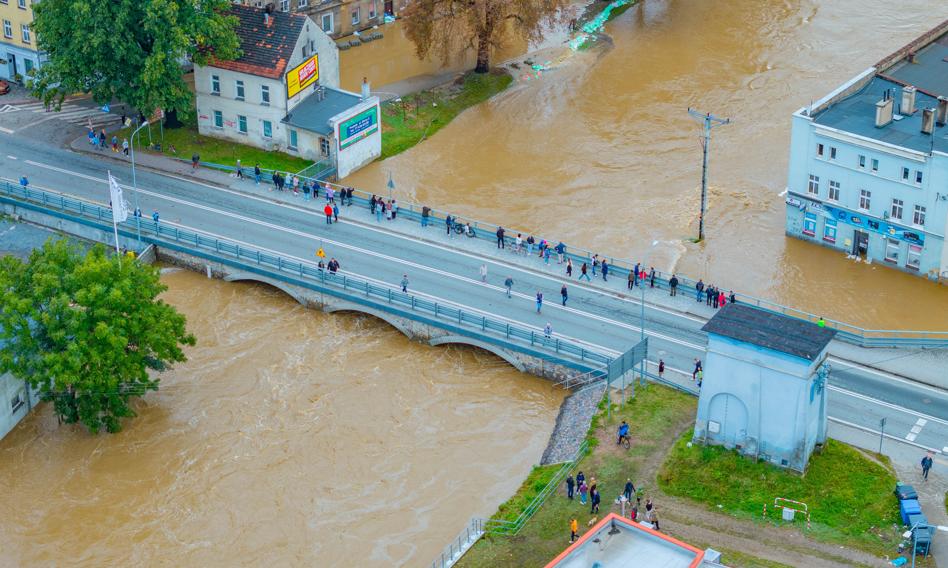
916	364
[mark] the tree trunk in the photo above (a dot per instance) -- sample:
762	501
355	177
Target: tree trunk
483	52
172	120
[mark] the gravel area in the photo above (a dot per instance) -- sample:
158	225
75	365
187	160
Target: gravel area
572	423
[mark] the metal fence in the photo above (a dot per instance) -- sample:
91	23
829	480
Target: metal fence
312	276
458	546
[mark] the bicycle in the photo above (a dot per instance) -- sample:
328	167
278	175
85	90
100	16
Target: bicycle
627	440
463	230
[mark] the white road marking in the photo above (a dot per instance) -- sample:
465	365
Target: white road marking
876	432
921	422
911	437
889	405
886	375
7	130
11	157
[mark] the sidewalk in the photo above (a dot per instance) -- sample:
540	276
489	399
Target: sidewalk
922	365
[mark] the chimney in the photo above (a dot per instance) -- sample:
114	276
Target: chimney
883	112
366	90
941	115
908	100
928	120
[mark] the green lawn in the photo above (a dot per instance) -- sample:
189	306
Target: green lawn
849	495
655	414
420	115
187	142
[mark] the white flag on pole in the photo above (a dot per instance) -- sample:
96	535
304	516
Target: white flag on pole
119	205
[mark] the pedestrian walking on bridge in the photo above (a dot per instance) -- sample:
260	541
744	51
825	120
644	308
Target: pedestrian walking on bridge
539	301
548	330
564	294
605	270
425	213
500	238
483	272
583	274
335	212
508	283
448	224
328	211
673	286
125	146
257	174
569	267
155	218
405	283
927	463
699	290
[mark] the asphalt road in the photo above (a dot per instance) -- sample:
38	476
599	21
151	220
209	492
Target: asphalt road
860	397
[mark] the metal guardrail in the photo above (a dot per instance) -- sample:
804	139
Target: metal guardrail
458	546
308	274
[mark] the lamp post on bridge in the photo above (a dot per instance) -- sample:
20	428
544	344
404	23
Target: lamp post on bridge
138	211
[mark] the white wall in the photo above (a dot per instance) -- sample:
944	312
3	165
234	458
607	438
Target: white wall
362	152
10	387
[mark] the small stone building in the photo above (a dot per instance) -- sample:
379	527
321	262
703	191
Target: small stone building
764	391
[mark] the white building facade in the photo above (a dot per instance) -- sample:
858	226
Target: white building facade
868	172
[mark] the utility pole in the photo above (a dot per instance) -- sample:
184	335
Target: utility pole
709	121
881	433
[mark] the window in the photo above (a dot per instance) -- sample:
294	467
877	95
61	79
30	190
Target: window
832	152
809	224
242	124
302	3
327	23
834	191
267	129
829	231
905	173
324	146
372	11
265	95
355	16
7	29
285	5
875	165
862	161
864	198
294	139
914	259
215	85
819	150
21	4
897	209
27	66
892	247
918	176
17	402
814	186
919	218
239	90
218	119
25	32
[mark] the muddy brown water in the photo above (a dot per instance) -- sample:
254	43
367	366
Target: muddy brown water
600	151
291	437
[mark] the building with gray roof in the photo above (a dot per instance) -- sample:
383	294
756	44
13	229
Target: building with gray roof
868	171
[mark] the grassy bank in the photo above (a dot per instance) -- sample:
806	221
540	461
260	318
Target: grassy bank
420	115
849	495
187	142
656	414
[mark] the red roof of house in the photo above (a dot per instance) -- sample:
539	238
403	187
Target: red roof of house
266	48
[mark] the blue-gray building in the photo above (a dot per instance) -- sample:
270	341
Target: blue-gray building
868	170
764	392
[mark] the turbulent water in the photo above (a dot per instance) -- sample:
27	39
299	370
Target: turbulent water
601	152
290	437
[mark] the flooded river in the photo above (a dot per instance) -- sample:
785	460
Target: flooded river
601	152
291	437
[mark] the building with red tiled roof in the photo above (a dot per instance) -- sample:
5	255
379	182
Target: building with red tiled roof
283	94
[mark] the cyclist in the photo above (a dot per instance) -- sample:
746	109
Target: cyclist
623	433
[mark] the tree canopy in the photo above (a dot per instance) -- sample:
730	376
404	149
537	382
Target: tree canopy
446	27
130	50
86	329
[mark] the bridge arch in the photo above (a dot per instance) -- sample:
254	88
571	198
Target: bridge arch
489	347
395	321
281	286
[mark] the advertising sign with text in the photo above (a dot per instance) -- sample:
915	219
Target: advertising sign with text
302	76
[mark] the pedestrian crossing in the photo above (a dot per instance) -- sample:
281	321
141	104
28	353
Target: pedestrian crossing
72	113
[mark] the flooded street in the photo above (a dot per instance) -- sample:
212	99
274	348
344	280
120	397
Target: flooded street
601	152
291	437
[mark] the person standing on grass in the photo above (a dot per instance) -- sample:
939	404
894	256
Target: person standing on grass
573	530
629	489
508	283
595	498
583	273
655	519
583	489
539	301
564	293
328	211
569	486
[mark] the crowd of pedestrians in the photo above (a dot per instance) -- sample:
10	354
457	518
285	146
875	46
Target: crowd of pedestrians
588	491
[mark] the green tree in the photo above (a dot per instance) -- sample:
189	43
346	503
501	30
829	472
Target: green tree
446	27
130	50
86	329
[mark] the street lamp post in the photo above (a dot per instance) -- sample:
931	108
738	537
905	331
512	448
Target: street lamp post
138	215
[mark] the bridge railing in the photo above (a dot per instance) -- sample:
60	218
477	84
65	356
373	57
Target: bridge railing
309	274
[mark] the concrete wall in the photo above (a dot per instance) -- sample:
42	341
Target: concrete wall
762	401
884	185
360	153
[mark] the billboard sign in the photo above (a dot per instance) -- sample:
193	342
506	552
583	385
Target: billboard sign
302	76
358	127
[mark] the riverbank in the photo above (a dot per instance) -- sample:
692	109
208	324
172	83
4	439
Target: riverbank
411	119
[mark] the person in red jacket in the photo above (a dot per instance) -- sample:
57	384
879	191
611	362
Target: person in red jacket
328	211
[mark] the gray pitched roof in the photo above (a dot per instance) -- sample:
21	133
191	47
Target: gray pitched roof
314	112
771	330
